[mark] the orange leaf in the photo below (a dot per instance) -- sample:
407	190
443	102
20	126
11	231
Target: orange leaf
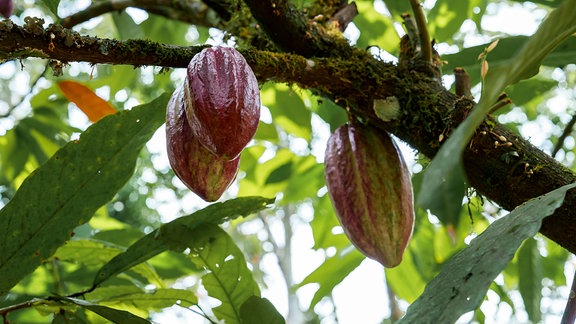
93	106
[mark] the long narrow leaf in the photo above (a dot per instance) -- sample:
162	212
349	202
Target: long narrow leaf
67	190
462	284
446	170
530	278
159	240
112	314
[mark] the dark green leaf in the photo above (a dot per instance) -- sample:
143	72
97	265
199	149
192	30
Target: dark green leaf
446	170
551	3
257	310
114	315
158	241
465	278
502	54
281	173
442	191
530	278
332	114
70	187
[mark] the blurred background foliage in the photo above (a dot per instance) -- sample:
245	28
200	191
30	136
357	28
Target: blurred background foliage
296	251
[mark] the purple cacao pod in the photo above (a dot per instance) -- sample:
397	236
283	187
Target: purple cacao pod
371	191
222	100
6	8
206	174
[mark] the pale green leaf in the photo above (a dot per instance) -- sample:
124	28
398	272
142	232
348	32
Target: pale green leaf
159	240
287	109
112	314
530	278
331	273
93	253
52	5
133	296
462	284
375	28
446	170
407	290
227	277
67	190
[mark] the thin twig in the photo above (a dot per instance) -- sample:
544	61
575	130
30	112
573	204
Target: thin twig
567	131
569	316
27	304
193	13
422	31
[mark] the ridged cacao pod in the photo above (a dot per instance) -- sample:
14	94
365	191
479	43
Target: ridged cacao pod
371	190
6	8
222	100
204	173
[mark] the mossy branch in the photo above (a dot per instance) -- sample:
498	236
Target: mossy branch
190	12
428	112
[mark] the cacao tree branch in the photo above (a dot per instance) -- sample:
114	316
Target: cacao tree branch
499	164
292	32
193	12
565	133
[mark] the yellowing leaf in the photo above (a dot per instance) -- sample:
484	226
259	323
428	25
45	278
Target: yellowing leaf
93	106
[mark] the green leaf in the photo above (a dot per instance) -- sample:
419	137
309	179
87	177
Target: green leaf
330	273
551	3
407	290
398	7
375	28
52	5
442	191
266	132
114	315
287	109
281	173
446	170
502	54
93	253
159	240
156	299
530	278
445	19
331	113
67	190
257	310
125	26
228	278
465	278
324	221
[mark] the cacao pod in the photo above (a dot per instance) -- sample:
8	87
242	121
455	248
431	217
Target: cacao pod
6	8
222	100
371	191
204	173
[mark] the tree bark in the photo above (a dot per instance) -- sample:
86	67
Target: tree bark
508	174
